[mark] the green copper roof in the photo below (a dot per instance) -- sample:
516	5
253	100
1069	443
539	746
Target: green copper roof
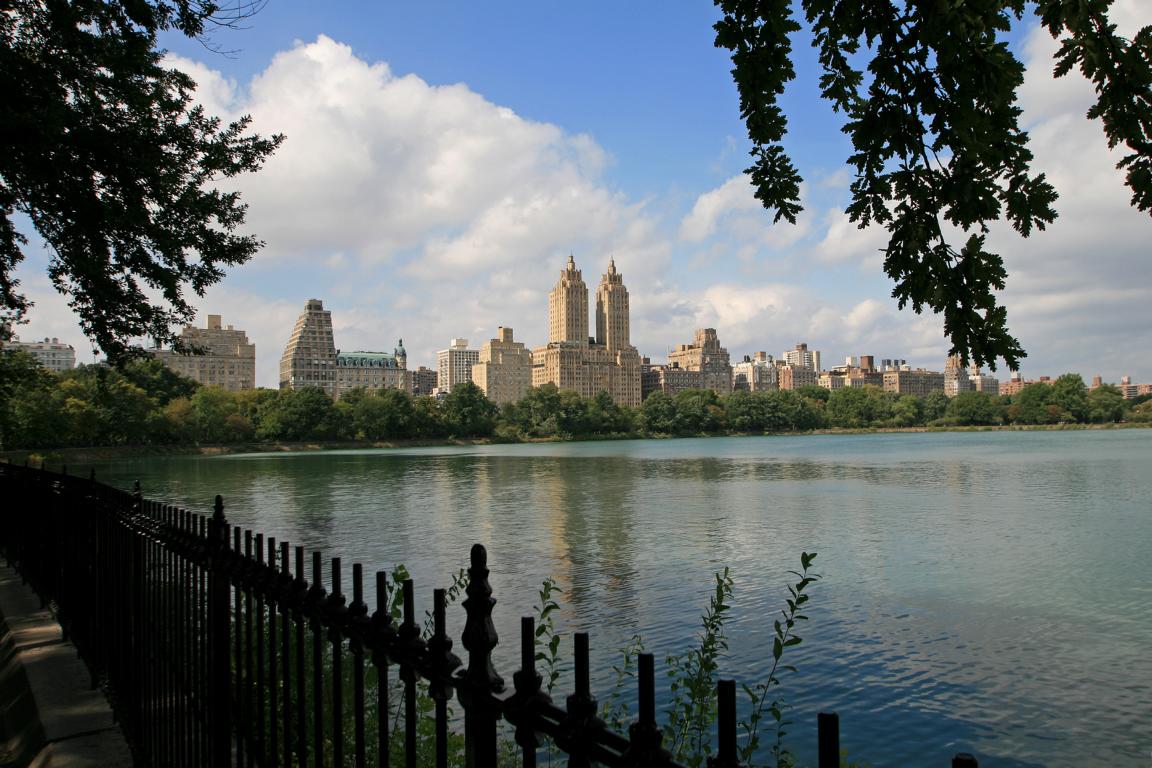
366	359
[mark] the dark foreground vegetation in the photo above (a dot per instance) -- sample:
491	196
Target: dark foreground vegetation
143	403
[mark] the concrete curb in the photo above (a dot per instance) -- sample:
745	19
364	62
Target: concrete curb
50	717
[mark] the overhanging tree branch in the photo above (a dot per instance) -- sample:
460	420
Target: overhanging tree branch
940	81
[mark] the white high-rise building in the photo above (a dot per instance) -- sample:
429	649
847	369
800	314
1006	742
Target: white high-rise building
755	373
803	357
454	365
50	353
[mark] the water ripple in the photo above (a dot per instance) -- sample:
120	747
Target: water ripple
984	592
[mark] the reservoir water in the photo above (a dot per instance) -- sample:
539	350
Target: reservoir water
987	592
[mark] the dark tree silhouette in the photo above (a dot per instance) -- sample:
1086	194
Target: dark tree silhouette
103	152
928	92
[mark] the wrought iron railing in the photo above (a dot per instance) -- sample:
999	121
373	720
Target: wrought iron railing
217	651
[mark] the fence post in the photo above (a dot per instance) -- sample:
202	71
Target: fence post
828	739
644	735
580	713
219	631
726	752
481	680
442	663
527	684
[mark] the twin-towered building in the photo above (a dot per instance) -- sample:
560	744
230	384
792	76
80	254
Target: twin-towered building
585	364
503	368
573	359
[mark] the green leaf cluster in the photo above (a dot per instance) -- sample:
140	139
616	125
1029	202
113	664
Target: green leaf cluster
105	154
928	93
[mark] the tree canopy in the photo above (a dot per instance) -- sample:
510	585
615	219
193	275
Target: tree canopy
928	93
103	152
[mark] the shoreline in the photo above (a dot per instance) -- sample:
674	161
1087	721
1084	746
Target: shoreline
110	453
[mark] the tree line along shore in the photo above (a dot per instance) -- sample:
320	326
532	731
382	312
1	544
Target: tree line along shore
144	404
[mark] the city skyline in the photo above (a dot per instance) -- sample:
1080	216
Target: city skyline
427	195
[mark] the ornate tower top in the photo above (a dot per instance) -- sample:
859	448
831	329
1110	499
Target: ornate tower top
612	277
568	307
612	310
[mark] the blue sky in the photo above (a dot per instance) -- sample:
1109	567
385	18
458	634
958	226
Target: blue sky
443	159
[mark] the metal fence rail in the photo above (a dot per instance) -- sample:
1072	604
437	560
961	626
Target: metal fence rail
217	651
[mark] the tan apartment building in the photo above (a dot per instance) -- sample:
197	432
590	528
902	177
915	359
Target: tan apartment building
309	358
983	382
706	356
956	379
669	379
791	376
227	361
919	382
504	369
571	359
1016	382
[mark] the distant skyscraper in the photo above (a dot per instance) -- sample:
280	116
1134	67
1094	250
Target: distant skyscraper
612	311
309	359
571	360
568	308
228	360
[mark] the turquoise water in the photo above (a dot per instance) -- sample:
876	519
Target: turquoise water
983	592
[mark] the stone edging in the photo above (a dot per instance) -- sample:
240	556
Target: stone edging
50	715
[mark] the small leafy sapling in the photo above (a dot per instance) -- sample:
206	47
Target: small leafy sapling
547	641
784	636
692	710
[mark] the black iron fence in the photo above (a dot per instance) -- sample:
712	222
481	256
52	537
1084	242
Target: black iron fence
216	650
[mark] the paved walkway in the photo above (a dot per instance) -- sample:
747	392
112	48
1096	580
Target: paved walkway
50	717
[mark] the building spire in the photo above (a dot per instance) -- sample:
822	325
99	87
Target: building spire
571	263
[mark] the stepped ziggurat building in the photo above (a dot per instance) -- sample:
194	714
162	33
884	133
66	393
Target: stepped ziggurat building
706	356
573	360
226	359
311	359
504	369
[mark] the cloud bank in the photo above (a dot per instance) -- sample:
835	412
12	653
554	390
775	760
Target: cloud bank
426	212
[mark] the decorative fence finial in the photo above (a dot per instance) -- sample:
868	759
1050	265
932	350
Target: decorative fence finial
480	636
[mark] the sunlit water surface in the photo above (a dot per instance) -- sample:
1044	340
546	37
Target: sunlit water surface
983	592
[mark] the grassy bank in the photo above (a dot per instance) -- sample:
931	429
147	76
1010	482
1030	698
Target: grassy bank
65	456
